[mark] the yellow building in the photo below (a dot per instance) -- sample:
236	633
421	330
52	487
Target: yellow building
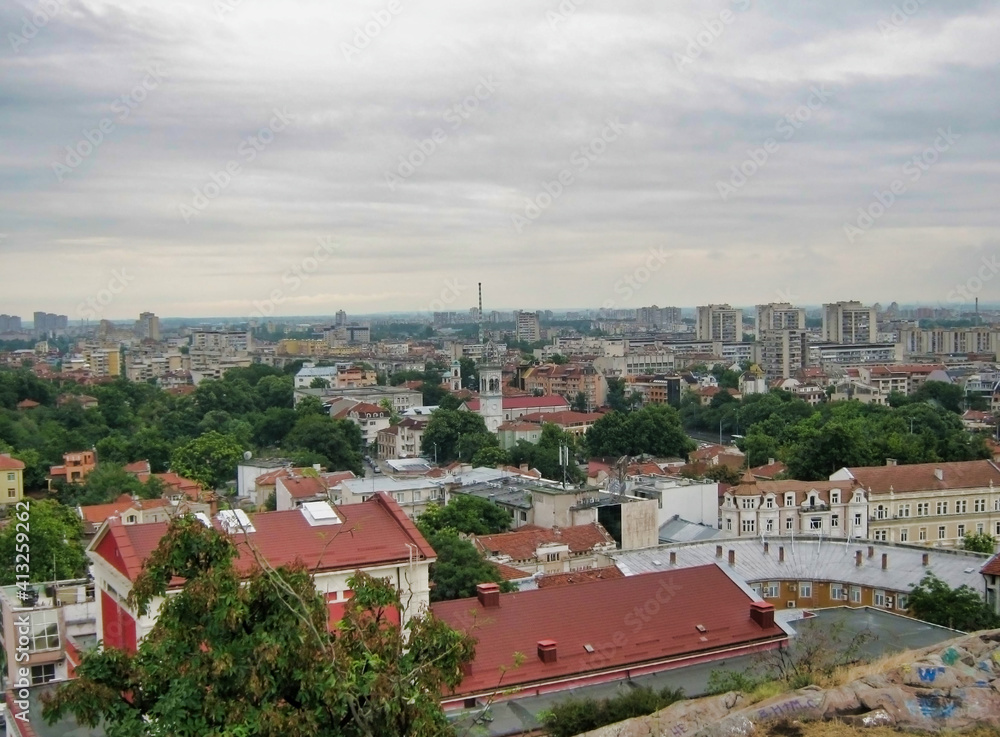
11	479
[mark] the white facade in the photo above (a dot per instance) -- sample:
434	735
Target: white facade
491	396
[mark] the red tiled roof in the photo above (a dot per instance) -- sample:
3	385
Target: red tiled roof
97	513
769	470
519	427
271	477
683	599
567	417
368	408
373	532
921	476
302	487
510	573
138	467
522	543
525	402
589	574
28	404
992	567
10	464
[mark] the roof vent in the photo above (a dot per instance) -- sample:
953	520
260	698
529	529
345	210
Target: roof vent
203	518
547	651
235	520
319	513
939	474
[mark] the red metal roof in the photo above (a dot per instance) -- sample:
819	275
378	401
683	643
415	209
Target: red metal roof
525	402
373	532
626	621
522	543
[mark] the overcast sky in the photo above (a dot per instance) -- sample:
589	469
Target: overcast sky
644	108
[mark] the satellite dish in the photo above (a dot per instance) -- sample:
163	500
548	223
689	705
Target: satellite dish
247	456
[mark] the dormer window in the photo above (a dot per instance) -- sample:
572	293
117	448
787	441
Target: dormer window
790	500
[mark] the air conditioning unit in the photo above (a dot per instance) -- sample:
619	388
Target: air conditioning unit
888	602
791	587
789	604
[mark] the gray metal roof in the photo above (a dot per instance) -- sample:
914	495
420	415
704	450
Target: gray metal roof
679	530
815	560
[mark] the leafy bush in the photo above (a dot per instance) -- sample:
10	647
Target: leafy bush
575	716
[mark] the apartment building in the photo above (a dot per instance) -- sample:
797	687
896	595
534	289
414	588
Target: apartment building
948	341
850	323
400	397
527	327
534	550
860	354
664	318
222	340
784	351
902	378
74	468
402	440
11	480
656	389
831	509
147	327
929	503
567	380
103	361
370	418
634	363
779	316
719	322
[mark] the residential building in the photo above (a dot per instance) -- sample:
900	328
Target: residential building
779	316
412	494
916	341
11	479
232	341
643	361
783	352
147	327
340	376
380	541
10	324
74	468
293	488
575	423
663	318
534	550
130	510
511	433
690	615
527	328
402	440
567	380
103	361
694	501
849	323
655	389
830	509
933	504
370	418
44	627
754	381
249	471
811	573
901	378
719	323
859	354
400	397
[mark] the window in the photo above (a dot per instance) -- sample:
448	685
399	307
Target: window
773	590
942	507
551	557
524	516
729	524
790	500
417	496
979	505
902	600
834	497
44	630
879	598
11	493
996	504
979	528
815	523
857	520
837	592
747	503
961	531
769	502
881	536
904	510
922	533
834	520
941	532
961	506
790	523
856	594
749	525
904	535
43	673
923	509
399	497
805	589
10	476
881	512
769	525
755	587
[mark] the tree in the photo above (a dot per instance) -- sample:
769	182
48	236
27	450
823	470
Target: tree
617	398
54	533
655	430
459	568
465	513
105	484
578	715
337	441
979	542
580	403
319	383
210	459
470	373
491	456
458	434
723	474
962	608
253	655
559	359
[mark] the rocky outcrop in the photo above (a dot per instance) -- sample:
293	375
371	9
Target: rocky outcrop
951	686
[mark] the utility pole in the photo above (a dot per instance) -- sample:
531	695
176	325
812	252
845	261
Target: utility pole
564	461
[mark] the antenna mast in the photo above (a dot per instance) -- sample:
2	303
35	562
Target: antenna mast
481	333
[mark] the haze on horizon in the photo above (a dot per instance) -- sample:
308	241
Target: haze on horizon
644	111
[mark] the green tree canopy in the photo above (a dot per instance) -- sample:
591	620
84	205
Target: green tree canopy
467	514
459	434
254	656
53	534
655	430
932	600
460	568
210	459
980	542
337	441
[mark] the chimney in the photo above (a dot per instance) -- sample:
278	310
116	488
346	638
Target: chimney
770	461
939	474
767	546
488	595
857	559
763	614
781	553
885	561
890	461
732	557
523	468
926	558
547	651
718	551
673	557
871	551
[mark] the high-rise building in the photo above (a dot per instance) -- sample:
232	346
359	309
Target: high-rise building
341	319
719	322
779	316
46	323
667	318
147	327
10	324
783	352
849	323
527	327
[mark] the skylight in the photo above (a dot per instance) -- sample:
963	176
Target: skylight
320	513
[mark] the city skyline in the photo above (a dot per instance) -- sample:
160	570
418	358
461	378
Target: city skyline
226	153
